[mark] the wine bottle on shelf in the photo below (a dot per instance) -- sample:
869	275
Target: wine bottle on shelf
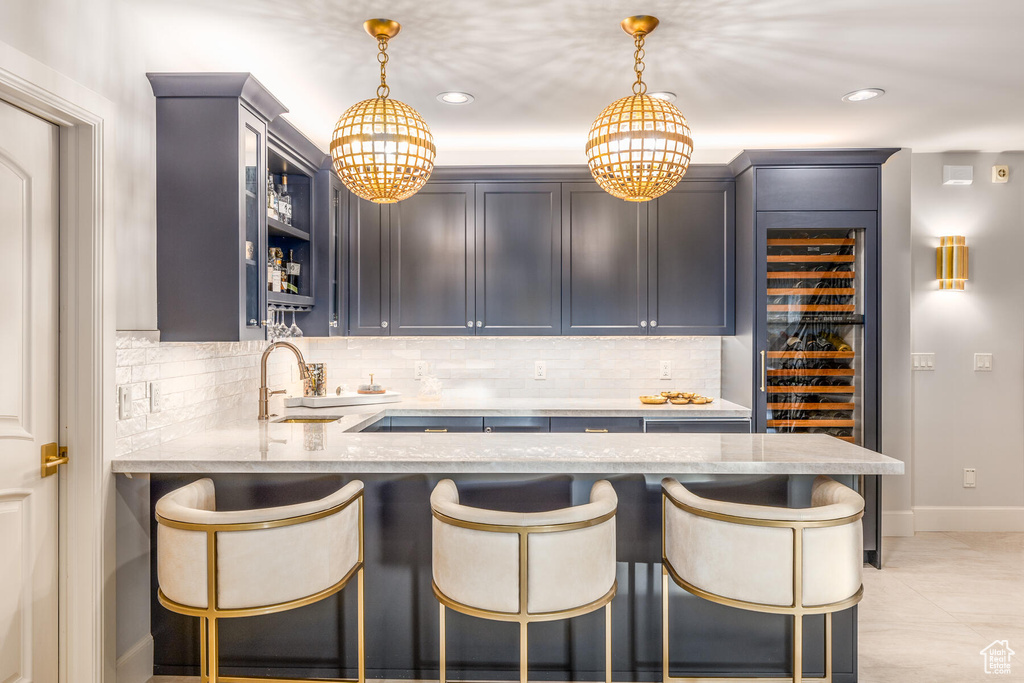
284	201
275	270
293	269
273	200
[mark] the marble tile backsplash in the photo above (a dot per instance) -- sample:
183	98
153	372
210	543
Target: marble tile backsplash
503	367
200	385
203	385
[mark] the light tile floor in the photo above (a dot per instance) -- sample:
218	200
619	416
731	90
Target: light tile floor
941	598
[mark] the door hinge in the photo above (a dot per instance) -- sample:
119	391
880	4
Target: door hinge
52	456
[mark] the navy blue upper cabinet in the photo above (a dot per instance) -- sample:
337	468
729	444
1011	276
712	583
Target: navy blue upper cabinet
518	259
604	263
369	260
432	262
691	260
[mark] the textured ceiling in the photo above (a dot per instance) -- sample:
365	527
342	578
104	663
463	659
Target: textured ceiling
749	73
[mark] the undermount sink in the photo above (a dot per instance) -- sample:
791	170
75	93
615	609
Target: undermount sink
307	420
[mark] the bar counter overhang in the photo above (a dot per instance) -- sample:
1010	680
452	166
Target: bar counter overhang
262	464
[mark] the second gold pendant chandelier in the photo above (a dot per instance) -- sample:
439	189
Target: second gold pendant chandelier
639	147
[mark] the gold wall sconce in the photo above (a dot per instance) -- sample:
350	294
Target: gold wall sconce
951	262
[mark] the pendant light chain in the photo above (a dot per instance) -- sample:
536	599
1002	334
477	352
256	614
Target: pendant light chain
382	56
639	87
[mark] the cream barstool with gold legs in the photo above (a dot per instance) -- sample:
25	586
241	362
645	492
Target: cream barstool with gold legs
524	567
793	561
220	565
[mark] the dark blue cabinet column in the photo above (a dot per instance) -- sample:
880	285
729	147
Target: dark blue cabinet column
518	259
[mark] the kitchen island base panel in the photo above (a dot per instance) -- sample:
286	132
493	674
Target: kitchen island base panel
402	637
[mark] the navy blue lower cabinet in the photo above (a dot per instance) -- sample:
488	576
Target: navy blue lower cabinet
719	426
517	424
437	424
597	425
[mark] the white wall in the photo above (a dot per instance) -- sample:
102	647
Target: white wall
963	418
93	44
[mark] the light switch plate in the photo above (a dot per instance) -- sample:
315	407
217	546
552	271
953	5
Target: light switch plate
124	402
983	362
155	397
970	478
922	361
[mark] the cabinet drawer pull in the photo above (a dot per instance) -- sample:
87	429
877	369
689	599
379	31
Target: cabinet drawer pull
437	431
588	430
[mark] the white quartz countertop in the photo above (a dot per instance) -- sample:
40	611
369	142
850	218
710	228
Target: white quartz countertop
254	447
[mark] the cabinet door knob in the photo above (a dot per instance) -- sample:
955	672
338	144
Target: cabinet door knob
643	323
469	323
383	323
654	323
479	323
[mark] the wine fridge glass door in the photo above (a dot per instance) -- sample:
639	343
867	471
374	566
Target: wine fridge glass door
814	371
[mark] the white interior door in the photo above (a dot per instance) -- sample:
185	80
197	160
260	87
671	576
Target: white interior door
28	395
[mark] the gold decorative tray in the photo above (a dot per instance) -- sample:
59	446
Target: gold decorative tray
653	400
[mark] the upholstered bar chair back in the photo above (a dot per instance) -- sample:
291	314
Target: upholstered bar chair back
793	561
268	562
224	564
746	552
524	567
569	554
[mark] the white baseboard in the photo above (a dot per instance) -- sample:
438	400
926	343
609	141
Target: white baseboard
136	665
969	518
898	523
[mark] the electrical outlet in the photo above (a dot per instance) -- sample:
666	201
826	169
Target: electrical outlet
665	370
970	478
124	402
155	397
422	368
1000	174
923	361
540	370
983	362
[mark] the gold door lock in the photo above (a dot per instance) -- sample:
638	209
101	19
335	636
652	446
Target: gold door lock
52	457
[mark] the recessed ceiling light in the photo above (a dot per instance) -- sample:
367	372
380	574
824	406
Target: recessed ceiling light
664	95
454	97
863	94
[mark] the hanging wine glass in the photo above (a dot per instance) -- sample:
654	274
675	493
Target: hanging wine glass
294	330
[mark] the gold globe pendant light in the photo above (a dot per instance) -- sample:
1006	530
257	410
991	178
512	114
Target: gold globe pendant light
382	148
639	147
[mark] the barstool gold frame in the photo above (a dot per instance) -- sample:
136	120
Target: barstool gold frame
797	610
209	634
523	616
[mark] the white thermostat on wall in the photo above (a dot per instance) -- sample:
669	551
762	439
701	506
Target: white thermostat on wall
1000	174
957	175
